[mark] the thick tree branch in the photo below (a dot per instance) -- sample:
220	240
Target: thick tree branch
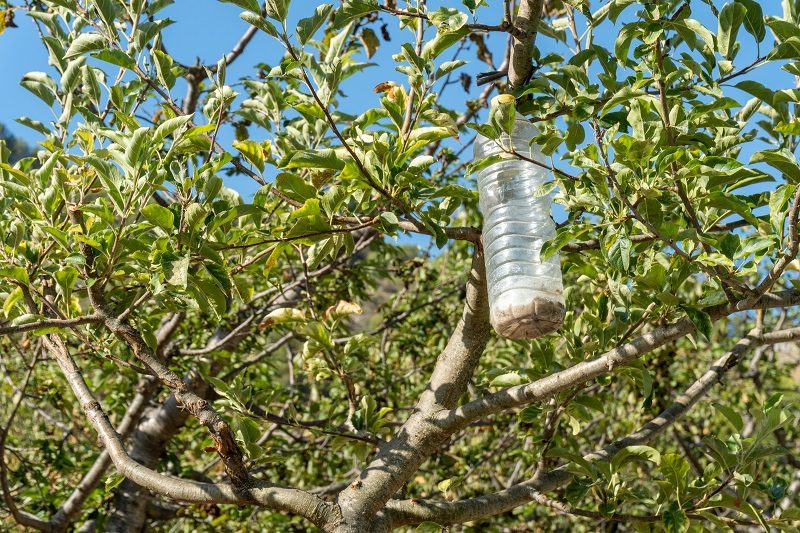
74	503
526	25
418	438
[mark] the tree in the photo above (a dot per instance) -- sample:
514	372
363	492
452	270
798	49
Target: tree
18	147
276	361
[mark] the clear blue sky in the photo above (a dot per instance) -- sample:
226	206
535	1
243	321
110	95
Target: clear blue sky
206	29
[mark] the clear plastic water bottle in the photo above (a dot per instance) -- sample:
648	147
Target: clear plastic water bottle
526	294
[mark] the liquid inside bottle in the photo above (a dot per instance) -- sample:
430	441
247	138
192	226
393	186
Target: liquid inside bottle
526	294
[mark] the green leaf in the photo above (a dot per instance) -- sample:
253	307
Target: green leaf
193	215
702	31
622	45
675	469
731	416
415	60
625	94
487	130
176	271
544	189
619	254
778	200
294	186
776	488
252	151
700	319
249	433
160	216
113	481
503	113
448	19
41	85
11	300
773	401
389	221
788	49
783	29
449	66
353	9
576	490
754	19
428	527
135	151
66	278
563	236
324	158
170	126
309	209
781	159
633	453
674	519
16	273
616	7
509	379
442	42
307	27
164	68
530	414
61	236
116	57
84	43
277	9
730	19
758	90
261	23
210	293
250	5
72	74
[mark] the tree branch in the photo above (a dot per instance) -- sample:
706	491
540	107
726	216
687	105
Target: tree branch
74	503
257	492
526	25
51	323
405	512
546	387
20	517
418	438
221	433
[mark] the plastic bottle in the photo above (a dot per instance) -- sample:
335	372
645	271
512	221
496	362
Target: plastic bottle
526	294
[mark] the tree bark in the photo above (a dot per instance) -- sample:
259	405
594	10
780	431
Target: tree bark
526	25
148	444
419	437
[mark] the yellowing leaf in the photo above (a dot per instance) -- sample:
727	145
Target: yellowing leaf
343	308
279	316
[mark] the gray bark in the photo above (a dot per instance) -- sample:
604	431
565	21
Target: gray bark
148	444
419	438
526	25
